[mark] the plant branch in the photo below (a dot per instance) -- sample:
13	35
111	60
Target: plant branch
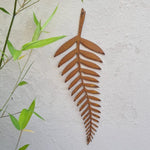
7	37
5	62
19	139
28	2
17	82
24	4
20	78
15	87
19	3
12	114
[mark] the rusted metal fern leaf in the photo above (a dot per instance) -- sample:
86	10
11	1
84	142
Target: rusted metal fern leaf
84	81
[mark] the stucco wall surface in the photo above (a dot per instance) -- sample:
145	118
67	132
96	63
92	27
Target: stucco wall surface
122	29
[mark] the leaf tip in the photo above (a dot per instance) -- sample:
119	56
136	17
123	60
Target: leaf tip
58	65
66	81
100	61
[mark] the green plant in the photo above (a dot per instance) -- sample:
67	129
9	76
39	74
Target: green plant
23	121
17	55
25	4
35	43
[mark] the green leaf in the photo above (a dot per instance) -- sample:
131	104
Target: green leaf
82	0
37	32
32	106
24	147
4	10
40	43
25	115
35	19
24	118
39	116
15	53
22	83
15	122
49	19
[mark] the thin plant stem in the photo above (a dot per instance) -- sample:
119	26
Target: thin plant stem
18	80
12	114
19	3
22	7
19	66
18	139
5	62
28	2
15	87
4	111
9	30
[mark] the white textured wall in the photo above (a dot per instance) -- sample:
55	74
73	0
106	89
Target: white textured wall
122	29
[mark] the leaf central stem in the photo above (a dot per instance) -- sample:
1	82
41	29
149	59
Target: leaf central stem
19	139
82	17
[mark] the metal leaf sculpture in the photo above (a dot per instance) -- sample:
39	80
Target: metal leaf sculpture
84	85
